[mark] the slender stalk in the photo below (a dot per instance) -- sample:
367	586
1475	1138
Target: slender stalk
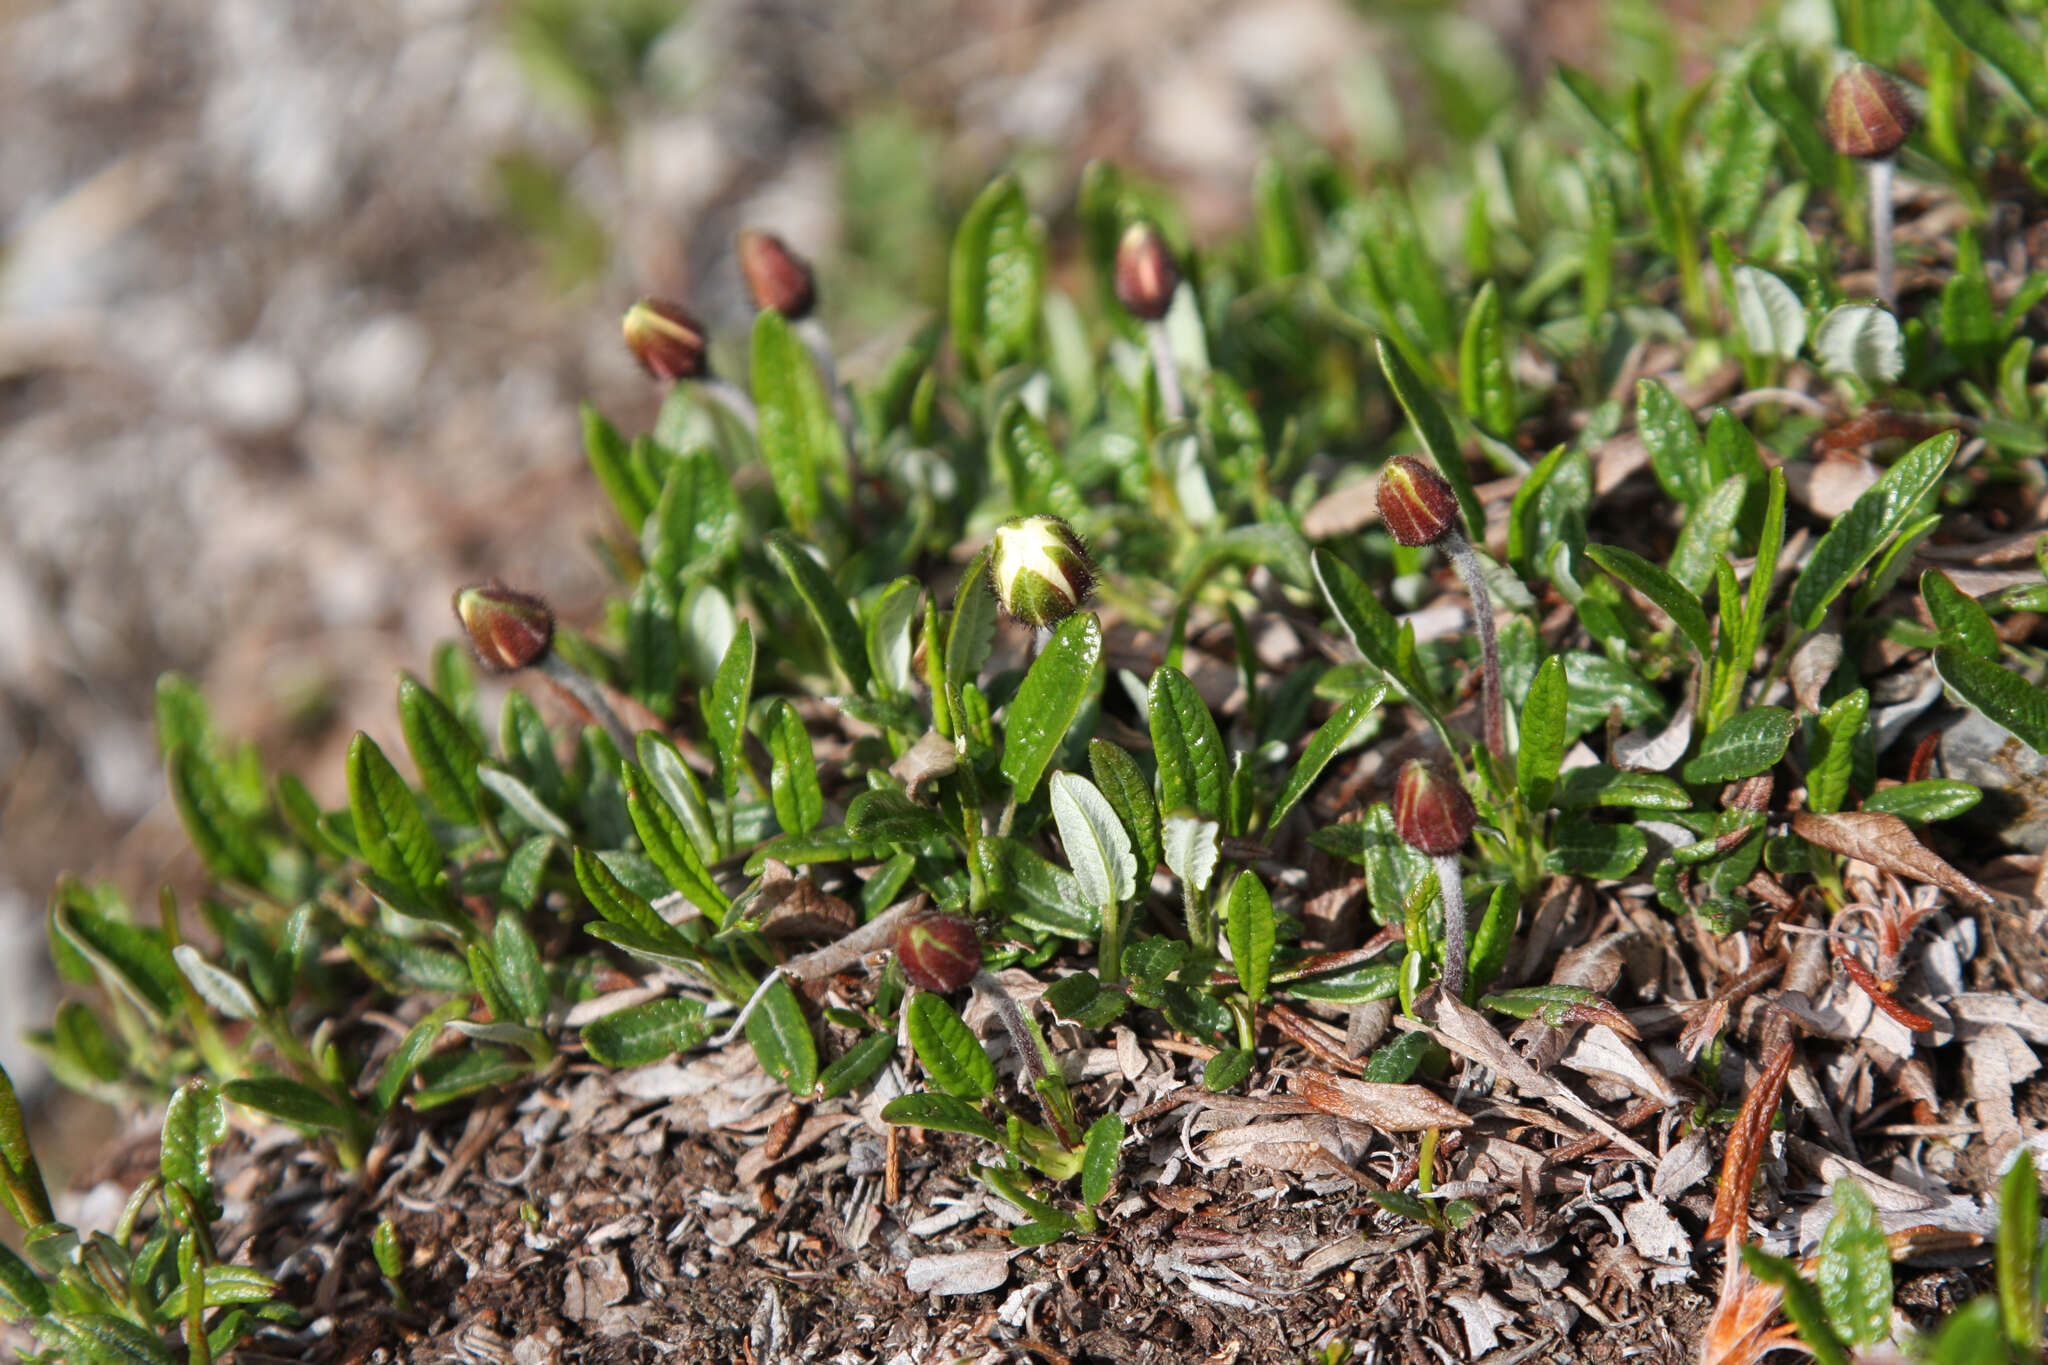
1171	401
1110	950
1881	228
734	400
836	956
588	695
1466	561
1011	1016
1450	886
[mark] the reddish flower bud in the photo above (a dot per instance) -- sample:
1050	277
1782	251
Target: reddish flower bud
777	277
1416	502
1145	274
668	342
509	630
1868	116
1432	813
939	952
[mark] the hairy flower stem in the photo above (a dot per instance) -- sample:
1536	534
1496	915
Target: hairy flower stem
1450	886
1171	401
588	695
1024	1042
835	957
1881	228
1466	561
729	395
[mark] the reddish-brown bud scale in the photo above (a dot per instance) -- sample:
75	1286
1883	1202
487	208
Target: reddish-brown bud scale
1432	813
668	342
1145	273
939	952
508	630
1868	115
1416	502
776	277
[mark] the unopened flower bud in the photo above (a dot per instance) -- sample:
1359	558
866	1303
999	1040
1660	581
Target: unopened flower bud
1145	273
509	630
1432	813
668	342
777	277
939	952
1868	116
1042	572
1416	502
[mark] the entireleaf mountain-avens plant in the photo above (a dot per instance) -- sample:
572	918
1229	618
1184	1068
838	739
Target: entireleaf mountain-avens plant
800	722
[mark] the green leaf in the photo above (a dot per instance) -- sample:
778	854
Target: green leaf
1587	848
1248	926
826	605
1124	786
1101	1153
1346	725
1486	382
222	1285
854	1066
942	1112
1772	317
2000	694
1751	742
625	909
1097	847
219	835
1551	1004
395	840
1937	798
1370	626
128	958
1597	784
973	626
606	450
517	959
782	1038
1542	738
1862	341
1189	845
1858	534
697	523
1854	1275
1802	1305
995	279
22	1294
1991	36
1708	533
799	800
443	750
1227	1069
2019	1256
194	1124
221	989
952	1055
887	816
1427	416
412	1050
799	439
447	1077
524	802
1186	744
286	1099
1672	439
1959	617
668	842
1048	700
1033	892
1600	687
106	1340
1827	774
889	635
649	1032
725	710
678	786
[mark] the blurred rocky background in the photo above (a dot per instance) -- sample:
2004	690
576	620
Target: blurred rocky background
297	301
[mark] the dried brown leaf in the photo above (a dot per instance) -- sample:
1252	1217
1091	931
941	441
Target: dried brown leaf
1746	1146
1885	842
1389	1108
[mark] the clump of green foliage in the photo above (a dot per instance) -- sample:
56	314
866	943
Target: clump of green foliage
788	587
